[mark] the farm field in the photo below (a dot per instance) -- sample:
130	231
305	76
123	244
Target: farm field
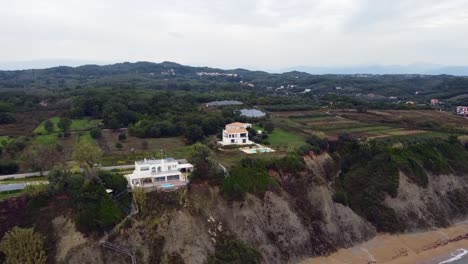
25	123
172	146
77	125
331	126
407	118
284	140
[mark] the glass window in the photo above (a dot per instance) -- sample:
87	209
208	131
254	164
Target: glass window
160	179
144	168
172	177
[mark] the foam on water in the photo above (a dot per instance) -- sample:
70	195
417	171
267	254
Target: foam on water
458	256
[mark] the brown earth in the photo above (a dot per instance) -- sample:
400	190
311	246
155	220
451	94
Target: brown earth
25	123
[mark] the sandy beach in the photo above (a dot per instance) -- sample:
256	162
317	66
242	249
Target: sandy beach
420	248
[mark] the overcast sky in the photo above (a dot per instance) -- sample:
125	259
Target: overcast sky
261	34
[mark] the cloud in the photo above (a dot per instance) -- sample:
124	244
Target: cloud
243	33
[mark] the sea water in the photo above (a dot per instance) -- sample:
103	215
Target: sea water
459	256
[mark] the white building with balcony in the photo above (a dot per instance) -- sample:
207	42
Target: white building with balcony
236	134
165	173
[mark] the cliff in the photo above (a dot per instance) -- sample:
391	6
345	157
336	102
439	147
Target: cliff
297	220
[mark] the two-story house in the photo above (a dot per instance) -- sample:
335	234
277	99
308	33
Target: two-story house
160	173
462	110
236	134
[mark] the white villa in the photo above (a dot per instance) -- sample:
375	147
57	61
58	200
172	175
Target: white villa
163	174
236	134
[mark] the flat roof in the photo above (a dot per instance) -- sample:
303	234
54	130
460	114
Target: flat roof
155	161
224	102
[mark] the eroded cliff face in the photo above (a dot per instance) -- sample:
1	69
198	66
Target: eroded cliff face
297	221
443	202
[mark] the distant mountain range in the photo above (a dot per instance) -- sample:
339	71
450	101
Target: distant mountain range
419	68
416	68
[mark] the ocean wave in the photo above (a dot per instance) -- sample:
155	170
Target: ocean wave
456	255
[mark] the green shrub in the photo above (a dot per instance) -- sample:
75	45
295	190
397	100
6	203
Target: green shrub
23	245
95	133
122	136
317	142
242	180
340	197
232	250
114	181
8	167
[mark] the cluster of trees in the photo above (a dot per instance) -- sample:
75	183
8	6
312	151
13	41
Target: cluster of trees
364	182
151	114
93	208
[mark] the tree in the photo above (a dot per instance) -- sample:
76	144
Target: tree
41	158
95	133
205	163
7	118
139	195
269	127
194	133
122	136
87	154
64	124
23	245
119	146
49	126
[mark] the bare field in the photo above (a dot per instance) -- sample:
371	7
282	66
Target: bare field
407	118
306	113
25	123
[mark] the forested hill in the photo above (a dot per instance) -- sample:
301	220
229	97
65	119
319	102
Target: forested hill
170	75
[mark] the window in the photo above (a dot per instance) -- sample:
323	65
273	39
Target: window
144	168
233	141
160	179
159	169
153	170
147	180
172	177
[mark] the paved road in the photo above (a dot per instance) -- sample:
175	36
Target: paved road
33	174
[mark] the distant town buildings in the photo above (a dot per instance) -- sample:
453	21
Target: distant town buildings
216	74
168	72
434	101
462	110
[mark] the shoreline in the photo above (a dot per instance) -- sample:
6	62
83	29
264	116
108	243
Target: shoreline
420	247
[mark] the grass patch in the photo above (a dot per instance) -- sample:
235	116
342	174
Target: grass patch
77	125
86	138
84	124
5	140
46	139
281	138
29	179
172	147
10	194
40	130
